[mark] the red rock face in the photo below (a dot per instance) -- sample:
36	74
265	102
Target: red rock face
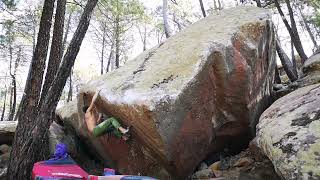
217	107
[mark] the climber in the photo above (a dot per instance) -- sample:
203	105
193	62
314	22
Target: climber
110	125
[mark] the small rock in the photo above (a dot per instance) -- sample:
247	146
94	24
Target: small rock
256	151
217	173
5	148
202	166
206	173
243	162
278	87
215	166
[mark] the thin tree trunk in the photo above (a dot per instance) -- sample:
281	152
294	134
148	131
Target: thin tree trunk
202	8
56	51
65	38
313	39
258	3
167	30
70	92
286	63
110	57
145	38
10	102
14	86
4	105
103	47
219	4
215	5
21	163
293	60
11	112
175	20
277	78
292	30
34	37
117	42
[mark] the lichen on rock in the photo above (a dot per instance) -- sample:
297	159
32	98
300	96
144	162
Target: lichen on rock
289	134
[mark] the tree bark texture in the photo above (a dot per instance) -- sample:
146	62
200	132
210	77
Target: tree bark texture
117	39
286	63
65	37
202	8
14	86
305	22
258	3
292	29
4	105
70	92
103	47
30	141
20	165
56	51
293	60
167	30
11	111
277	78
110	57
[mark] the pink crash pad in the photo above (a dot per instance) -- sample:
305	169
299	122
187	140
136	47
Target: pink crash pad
41	169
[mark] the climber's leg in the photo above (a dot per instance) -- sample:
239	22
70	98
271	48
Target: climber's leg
117	125
104	127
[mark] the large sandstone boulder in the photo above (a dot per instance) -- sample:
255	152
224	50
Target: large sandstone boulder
194	94
289	134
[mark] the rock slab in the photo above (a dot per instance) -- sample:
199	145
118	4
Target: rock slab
195	94
289	134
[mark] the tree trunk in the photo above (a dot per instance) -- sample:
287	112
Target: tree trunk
219	4
11	111
34	37
25	150
4	105
56	51
70	92
65	38
110	57
258	3
117	42
20	166
293	60
103	47
167	30
292	30
286	63
14	86
145	38
215	5
202	8
10	102
277	78
175	20
313	39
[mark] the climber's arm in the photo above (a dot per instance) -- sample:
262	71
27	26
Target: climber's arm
94	99
99	118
